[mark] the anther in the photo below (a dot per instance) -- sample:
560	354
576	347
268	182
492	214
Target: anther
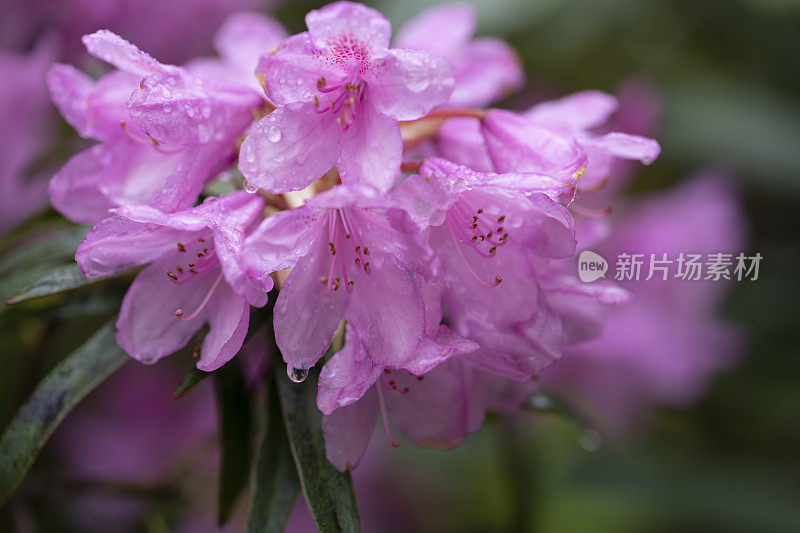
172	276
346	235
350	285
200	239
501	218
489	235
181	248
366	267
498	280
366	251
499	230
480	211
321	82
333	247
492	250
179	269
504	237
324	281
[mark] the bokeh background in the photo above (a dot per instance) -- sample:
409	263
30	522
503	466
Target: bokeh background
727	74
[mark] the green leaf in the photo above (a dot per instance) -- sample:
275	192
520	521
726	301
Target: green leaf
275	481
60	279
190	379
36	255
68	383
328	492
234	411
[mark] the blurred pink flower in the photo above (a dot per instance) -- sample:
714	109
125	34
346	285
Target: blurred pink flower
25	111
665	345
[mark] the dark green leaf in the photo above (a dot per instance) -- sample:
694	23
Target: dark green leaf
275	481
68	383
328	492
60	279
192	377
35	256
234	412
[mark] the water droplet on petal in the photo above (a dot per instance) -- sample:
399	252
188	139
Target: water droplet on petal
249	188
274	134
298	375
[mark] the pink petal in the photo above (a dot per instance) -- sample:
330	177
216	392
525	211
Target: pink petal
348	430
279	242
115	50
290	73
517	351
443	30
228	320
306	316
411	84
347	20
118	243
386	311
346	377
245	36
516	144
147	327
439	410
486	70
372	149
433	351
289	149
461	140
178	109
626	146
580	111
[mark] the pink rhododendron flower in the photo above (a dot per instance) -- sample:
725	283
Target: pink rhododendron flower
128	166
491	232
193	276
486	68
353	251
340	92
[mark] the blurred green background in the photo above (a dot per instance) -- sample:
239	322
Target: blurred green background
728	73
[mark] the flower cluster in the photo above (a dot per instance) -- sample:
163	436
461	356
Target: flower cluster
377	195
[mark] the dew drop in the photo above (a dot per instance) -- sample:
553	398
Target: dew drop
274	134
298	375
249	188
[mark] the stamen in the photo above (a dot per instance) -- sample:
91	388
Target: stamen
385	417
497	279
179	312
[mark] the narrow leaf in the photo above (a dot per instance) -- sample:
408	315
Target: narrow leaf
234	412
329	493
190	379
59	279
275	481
66	385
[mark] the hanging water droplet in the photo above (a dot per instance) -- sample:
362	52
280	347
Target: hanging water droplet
274	134
297	375
249	188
